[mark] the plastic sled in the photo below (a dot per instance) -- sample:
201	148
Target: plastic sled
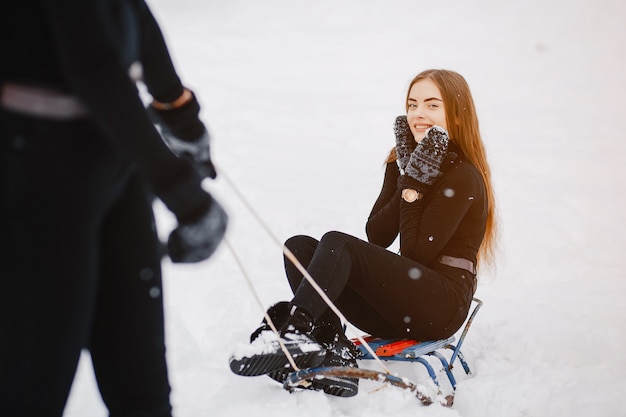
404	350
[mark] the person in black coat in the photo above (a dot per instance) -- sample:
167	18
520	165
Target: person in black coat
81	162
437	196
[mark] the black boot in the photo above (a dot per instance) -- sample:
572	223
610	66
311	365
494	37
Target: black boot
340	352
265	355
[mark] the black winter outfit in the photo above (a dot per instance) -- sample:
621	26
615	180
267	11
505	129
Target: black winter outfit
80	264
411	295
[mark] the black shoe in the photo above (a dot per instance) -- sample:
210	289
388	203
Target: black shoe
264	355
340	352
268	357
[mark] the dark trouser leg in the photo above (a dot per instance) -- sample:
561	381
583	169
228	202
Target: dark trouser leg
328	331
294	327
53	180
127	343
303	248
330	266
378	291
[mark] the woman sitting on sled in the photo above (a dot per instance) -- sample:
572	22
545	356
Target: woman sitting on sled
437	195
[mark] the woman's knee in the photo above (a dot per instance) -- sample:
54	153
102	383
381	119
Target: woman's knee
300	242
338	240
335	236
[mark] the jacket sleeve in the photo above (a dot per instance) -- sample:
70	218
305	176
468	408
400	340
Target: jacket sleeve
159	73
382	224
89	52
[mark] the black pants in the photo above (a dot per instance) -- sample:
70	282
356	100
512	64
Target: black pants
380	292
80	268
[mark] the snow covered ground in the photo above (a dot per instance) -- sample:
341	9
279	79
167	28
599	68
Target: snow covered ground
300	97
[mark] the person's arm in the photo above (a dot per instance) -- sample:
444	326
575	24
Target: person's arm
89	49
96	73
174	108
382	225
159	73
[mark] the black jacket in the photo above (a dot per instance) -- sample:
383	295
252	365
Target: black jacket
449	220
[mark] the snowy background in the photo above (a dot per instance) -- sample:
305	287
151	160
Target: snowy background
300	97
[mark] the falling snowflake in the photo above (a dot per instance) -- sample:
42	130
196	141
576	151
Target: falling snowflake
415	273
146	274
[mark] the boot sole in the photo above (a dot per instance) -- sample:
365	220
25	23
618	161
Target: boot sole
337	386
273	359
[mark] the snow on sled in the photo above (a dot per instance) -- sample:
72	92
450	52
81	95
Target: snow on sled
403	350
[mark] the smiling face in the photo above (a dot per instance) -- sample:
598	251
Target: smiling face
425	108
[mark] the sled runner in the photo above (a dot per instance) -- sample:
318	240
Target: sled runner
404	350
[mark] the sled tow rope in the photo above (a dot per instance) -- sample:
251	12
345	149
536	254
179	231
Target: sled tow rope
293	259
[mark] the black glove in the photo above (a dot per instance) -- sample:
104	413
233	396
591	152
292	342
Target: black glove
428	161
185	134
405	142
201	219
196	239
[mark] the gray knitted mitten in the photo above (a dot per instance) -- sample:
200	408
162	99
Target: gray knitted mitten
405	142
424	165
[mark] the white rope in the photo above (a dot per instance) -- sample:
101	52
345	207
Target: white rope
304	272
258	300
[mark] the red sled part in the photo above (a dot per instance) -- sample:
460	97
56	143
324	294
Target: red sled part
394	348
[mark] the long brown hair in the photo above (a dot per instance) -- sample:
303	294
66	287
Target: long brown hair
462	125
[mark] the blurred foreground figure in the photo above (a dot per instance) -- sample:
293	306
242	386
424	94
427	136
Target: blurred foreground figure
80	164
